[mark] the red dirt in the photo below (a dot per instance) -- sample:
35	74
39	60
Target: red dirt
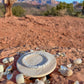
42	31
53	34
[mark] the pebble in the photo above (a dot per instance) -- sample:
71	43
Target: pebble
5	60
63	67
60	54
1	68
9	68
11	59
1	74
63	54
65	71
9	76
37	81
19	79
7	72
69	72
78	61
57	55
37	48
44	79
31	50
76	82
69	65
47	82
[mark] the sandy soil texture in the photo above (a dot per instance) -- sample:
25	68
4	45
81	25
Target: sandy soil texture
42	31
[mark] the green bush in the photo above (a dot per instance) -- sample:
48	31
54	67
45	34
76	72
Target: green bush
18	11
78	14
2	10
61	6
83	3
61	10
47	13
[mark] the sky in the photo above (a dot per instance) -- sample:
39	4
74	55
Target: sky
69	1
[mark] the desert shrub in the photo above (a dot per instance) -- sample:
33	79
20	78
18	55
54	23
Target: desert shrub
70	9
2	10
83	10
82	16
48	12
61	10
83	3
53	11
18	11
61	6
78	14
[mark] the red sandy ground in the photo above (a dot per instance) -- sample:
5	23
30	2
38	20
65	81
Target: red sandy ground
42	31
53	34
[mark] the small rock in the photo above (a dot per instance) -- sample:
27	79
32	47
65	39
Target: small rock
31	50
78	61
76	82
7	72
63	54
9	68
19	79
44	79
31	83
47	82
37	81
9	76
60	54
11	59
5	60
63	67
37	48
69	72
1	68
65	71
1	74
69	65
